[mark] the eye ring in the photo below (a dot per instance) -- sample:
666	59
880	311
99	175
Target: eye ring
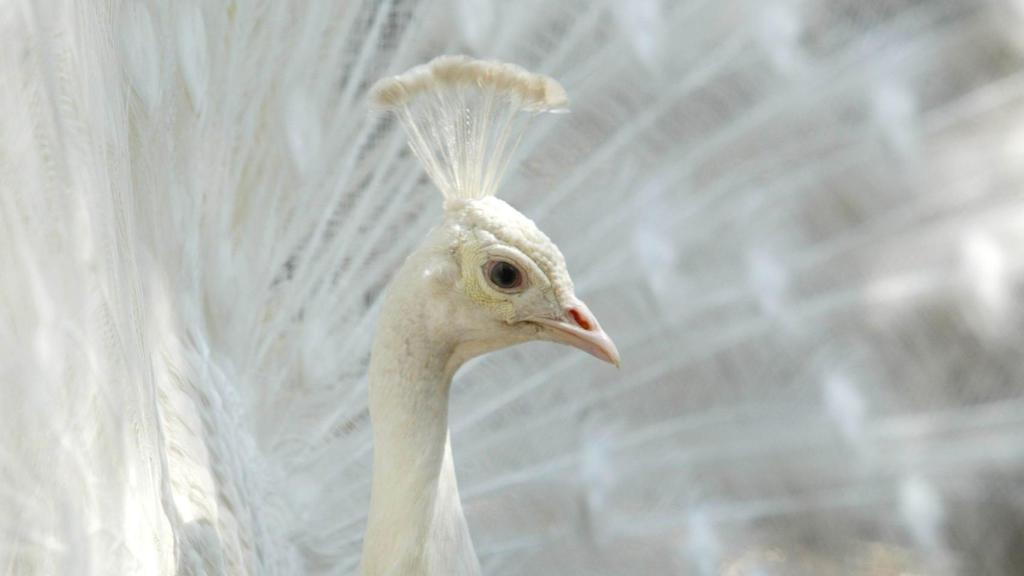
504	276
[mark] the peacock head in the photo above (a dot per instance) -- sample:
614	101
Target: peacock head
511	283
503	280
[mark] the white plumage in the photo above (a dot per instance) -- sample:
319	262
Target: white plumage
484	279
799	219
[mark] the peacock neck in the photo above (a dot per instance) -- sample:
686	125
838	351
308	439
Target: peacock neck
416	525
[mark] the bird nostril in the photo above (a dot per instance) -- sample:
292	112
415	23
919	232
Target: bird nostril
580	319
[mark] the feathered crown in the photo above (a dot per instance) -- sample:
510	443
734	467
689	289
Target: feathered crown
465	117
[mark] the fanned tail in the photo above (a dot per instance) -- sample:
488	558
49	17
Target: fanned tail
799	219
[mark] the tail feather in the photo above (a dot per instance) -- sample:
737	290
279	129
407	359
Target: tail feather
798	220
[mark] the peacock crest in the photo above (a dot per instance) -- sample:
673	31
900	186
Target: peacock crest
465	118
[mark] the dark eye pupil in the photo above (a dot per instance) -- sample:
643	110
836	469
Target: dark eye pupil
504	275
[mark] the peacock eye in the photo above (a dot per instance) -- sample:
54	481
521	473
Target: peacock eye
503	275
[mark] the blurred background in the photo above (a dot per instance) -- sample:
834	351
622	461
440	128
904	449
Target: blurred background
817	218
800	220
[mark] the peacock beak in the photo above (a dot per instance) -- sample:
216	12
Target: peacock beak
579	328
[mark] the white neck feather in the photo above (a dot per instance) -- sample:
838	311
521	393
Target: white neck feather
416	525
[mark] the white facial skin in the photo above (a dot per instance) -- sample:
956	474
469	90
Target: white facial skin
505	282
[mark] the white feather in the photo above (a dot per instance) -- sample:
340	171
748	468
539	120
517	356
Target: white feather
764	202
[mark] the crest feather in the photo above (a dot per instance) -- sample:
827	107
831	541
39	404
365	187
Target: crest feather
465	117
